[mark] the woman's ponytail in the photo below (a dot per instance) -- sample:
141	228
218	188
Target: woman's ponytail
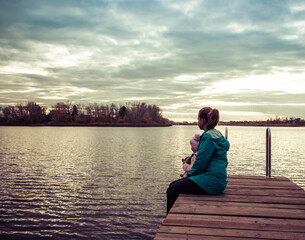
211	117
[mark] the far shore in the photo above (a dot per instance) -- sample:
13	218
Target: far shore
87	125
251	124
262	125
240	124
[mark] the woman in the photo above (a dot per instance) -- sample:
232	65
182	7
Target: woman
208	174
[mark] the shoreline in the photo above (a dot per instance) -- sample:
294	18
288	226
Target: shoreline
86	125
250	124
140	125
239	124
262	125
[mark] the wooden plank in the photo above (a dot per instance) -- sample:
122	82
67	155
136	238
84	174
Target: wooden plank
240	198
194	201
231	232
168	236
236	222
238	211
264	184
234	186
266	192
257	177
260	180
257	180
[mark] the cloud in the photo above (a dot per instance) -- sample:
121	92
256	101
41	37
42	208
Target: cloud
244	57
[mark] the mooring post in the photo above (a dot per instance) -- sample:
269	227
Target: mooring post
226	133
268	152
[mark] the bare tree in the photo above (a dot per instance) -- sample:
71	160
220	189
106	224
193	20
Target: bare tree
113	112
122	112
36	113
155	113
60	112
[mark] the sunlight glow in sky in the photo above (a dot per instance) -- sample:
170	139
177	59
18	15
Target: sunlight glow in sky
244	57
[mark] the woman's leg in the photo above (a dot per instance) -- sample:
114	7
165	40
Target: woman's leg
174	182
181	186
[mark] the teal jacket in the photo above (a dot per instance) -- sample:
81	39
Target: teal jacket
209	169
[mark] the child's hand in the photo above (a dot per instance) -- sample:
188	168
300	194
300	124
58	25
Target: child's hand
184	160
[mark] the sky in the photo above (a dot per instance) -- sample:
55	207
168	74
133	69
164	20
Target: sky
244	57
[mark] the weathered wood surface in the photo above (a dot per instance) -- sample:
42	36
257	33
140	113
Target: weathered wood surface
252	207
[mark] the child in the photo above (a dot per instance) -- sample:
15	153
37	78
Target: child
189	161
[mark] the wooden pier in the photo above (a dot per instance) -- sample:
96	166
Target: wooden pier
252	207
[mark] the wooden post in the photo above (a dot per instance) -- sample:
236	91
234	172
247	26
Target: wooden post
226	133
268	152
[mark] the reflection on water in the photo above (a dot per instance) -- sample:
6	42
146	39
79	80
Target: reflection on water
110	183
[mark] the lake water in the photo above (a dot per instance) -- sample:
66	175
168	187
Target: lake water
110	183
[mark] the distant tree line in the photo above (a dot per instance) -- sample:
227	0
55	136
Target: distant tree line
67	113
277	121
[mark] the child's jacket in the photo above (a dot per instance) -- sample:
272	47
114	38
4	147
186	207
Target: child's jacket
187	167
209	170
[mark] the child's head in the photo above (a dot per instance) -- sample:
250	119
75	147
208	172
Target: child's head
195	142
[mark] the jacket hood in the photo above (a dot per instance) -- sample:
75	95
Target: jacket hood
219	139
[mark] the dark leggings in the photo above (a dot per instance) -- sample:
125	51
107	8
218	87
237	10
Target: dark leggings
181	186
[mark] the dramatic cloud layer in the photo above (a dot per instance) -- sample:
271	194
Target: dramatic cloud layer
245	58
